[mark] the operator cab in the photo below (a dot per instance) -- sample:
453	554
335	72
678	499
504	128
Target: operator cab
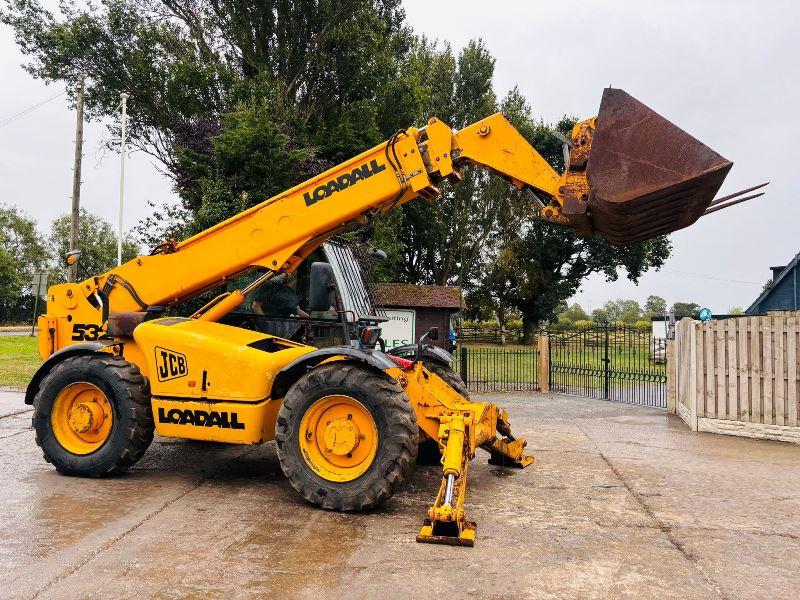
328	301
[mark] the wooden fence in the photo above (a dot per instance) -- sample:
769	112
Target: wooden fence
738	376
489	335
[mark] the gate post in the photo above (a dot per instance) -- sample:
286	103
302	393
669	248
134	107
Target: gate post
544	361
464	363
671	367
606	367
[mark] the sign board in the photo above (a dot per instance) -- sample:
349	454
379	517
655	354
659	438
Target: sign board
659	328
399	329
39	284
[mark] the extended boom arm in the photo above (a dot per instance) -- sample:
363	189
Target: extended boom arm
278	234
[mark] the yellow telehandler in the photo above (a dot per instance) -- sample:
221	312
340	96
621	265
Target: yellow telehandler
347	419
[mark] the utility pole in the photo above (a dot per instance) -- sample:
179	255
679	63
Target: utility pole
76	186
124	98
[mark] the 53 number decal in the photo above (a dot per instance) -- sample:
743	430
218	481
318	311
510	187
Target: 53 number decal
89	332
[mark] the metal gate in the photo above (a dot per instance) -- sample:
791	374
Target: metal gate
610	362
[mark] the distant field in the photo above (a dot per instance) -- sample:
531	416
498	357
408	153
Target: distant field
574	364
18	359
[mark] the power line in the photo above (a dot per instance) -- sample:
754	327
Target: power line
703	276
19	115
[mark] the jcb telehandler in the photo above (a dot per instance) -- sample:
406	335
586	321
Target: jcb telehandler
347	419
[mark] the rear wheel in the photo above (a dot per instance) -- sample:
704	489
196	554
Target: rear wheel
452	378
92	415
347	437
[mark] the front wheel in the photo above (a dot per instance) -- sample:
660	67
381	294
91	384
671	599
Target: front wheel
92	415
347	437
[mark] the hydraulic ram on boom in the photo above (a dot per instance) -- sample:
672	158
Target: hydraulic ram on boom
347	419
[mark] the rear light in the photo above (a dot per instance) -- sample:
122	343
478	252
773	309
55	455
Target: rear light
369	336
402	362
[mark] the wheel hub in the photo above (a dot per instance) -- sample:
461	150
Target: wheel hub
86	417
342	436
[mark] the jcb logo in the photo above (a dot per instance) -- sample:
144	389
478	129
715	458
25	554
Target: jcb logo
170	364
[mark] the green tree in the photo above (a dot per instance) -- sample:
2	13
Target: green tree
23	246
272	79
572	314
97	242
736	310
494	286
444	239
655	306
686	309
626	311
10	281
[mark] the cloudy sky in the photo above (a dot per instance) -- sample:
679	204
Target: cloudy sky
726	71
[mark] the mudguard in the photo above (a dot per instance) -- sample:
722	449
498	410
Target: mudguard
57	357
295	369
433	352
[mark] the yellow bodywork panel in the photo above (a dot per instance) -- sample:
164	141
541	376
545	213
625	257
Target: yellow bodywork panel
187	358
229	422
211	381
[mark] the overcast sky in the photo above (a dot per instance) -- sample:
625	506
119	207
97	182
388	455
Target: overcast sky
725	71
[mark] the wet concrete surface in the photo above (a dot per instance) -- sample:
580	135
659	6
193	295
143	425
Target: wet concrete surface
623	501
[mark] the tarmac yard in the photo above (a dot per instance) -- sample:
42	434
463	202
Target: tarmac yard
623	501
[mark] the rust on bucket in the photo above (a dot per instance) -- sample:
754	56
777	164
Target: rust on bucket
646	176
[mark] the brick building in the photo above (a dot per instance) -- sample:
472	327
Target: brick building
417	308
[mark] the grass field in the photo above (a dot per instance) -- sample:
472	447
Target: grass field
18	359
575	364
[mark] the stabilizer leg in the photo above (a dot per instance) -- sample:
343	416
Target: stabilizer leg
507	451
447	522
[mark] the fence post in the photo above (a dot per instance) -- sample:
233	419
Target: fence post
606	366
692	383
671	368
544	362
464	368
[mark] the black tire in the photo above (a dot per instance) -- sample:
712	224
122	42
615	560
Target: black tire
428	453
132	426
395	421
452	378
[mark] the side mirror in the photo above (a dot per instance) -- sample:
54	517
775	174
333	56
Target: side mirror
320	284
433	333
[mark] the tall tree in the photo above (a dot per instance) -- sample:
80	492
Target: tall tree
686	309
626	311
572	313
443	239
655	306
321	74
97	242
23	250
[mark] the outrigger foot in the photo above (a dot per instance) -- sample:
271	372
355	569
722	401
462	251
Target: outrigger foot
450	533
508	453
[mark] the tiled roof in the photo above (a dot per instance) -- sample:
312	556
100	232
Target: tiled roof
422	296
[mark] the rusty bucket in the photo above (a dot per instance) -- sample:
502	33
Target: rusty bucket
646	176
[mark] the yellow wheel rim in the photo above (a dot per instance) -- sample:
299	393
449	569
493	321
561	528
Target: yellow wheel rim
338	438
81	418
